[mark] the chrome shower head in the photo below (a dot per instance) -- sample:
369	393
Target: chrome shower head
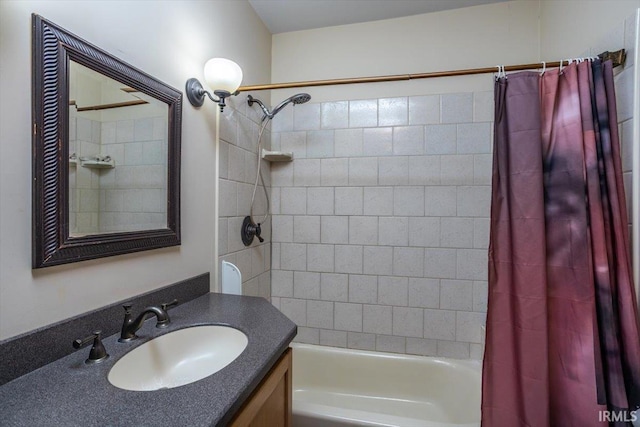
299	98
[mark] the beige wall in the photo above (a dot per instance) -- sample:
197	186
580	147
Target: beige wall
170	40
501	33
568	27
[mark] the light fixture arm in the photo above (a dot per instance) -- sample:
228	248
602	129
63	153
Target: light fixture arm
195	94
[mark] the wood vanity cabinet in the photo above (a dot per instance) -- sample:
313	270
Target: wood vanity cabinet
270	403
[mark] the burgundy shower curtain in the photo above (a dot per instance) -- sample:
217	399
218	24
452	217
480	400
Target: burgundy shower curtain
562	344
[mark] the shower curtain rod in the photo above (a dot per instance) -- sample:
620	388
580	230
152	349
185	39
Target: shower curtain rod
617	57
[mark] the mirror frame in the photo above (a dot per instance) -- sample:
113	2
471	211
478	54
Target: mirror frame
53	48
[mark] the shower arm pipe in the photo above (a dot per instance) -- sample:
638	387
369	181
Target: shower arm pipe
617	57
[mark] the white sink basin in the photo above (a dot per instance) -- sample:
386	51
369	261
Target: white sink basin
178	358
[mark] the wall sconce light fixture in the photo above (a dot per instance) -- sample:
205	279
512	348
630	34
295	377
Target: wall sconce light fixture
222	75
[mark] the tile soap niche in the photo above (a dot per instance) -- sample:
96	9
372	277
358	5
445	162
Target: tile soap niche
277	156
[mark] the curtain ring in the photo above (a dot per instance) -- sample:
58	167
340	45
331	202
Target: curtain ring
544	68
561	66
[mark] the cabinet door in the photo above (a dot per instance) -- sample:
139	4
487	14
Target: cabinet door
270	403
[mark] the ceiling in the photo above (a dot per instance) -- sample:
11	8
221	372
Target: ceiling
281	16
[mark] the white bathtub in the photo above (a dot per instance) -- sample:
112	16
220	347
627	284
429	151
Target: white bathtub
344	387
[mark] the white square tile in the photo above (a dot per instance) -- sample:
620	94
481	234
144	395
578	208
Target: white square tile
393	170
363	171
390	344
320	314
481	228
392	111
363	113
474	138
320	258
236	165
408	140
319	200
440	324
378	201
377	141
468	326
624	94
630	40
482	169
378	260
334	172
282	283
454	350
307	335
348	259
229	128
408	322
440	139
361	341
281	174
456	169
348	142
348	317
244	198
474	201
472	264
333	338
456	294
334	287
393	290
334	229
363	230
424	110
293	256
424	293
320	143
408	201
293	200
334	115
456	108
133	153
143	129
294	309
275	255
306	116
295	142
424	170
440	263
408	262
247	133
348	200
306	285
480	296
440	201
393	231
306	229
363	289
228	198
377	319
456	232
282	228
283	121
483	106
476	351
422	347
306	172
425	232
124	131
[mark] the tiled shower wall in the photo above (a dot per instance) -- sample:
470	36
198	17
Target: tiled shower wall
239	127
380	225
131	196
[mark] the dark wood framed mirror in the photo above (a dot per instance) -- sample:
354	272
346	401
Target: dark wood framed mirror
106	153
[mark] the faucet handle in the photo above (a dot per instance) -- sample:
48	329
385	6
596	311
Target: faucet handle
98	353
168	305
127	307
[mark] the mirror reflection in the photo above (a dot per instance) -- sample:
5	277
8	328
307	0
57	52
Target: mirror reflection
118	156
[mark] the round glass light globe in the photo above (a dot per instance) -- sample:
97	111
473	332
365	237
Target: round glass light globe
222	74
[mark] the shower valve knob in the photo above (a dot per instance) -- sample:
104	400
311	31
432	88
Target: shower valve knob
258	231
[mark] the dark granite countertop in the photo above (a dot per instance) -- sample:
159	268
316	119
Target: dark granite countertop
69	392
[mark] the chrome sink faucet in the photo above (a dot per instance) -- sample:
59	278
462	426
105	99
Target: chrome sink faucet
131	326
